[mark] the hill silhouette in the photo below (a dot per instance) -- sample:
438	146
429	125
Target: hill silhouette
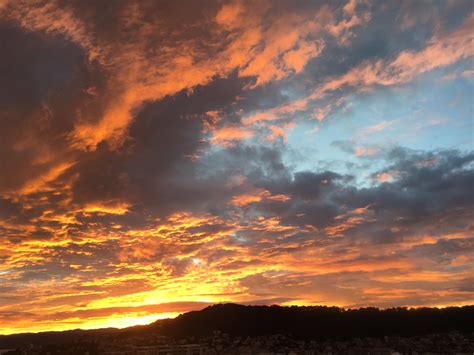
314	322
318	322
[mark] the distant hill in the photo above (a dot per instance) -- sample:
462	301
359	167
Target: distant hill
299	322
44	338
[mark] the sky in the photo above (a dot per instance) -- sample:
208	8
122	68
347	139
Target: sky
160	156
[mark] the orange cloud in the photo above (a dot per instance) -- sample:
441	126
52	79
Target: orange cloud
366	151
247	199
230	14
268	51
443	50
281	39
228	136
107	208
279	131
41	182
387	176
256	195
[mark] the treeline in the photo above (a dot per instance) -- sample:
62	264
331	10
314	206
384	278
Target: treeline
318	322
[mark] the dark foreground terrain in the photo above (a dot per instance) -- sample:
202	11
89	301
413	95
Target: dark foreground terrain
237	329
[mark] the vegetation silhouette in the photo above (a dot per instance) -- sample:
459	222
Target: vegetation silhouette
318	322
313	322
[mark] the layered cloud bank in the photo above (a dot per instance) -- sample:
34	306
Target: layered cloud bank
156	157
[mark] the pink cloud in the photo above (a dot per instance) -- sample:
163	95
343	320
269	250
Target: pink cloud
387	176
279	131
442	50
366	151
229	136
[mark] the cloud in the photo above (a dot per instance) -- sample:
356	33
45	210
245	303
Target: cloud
411	193
146	155
184	65
225	136
256	196
301	237
366	151
352	17
378	127
443	50
38	108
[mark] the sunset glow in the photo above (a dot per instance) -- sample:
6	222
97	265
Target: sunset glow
157	157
